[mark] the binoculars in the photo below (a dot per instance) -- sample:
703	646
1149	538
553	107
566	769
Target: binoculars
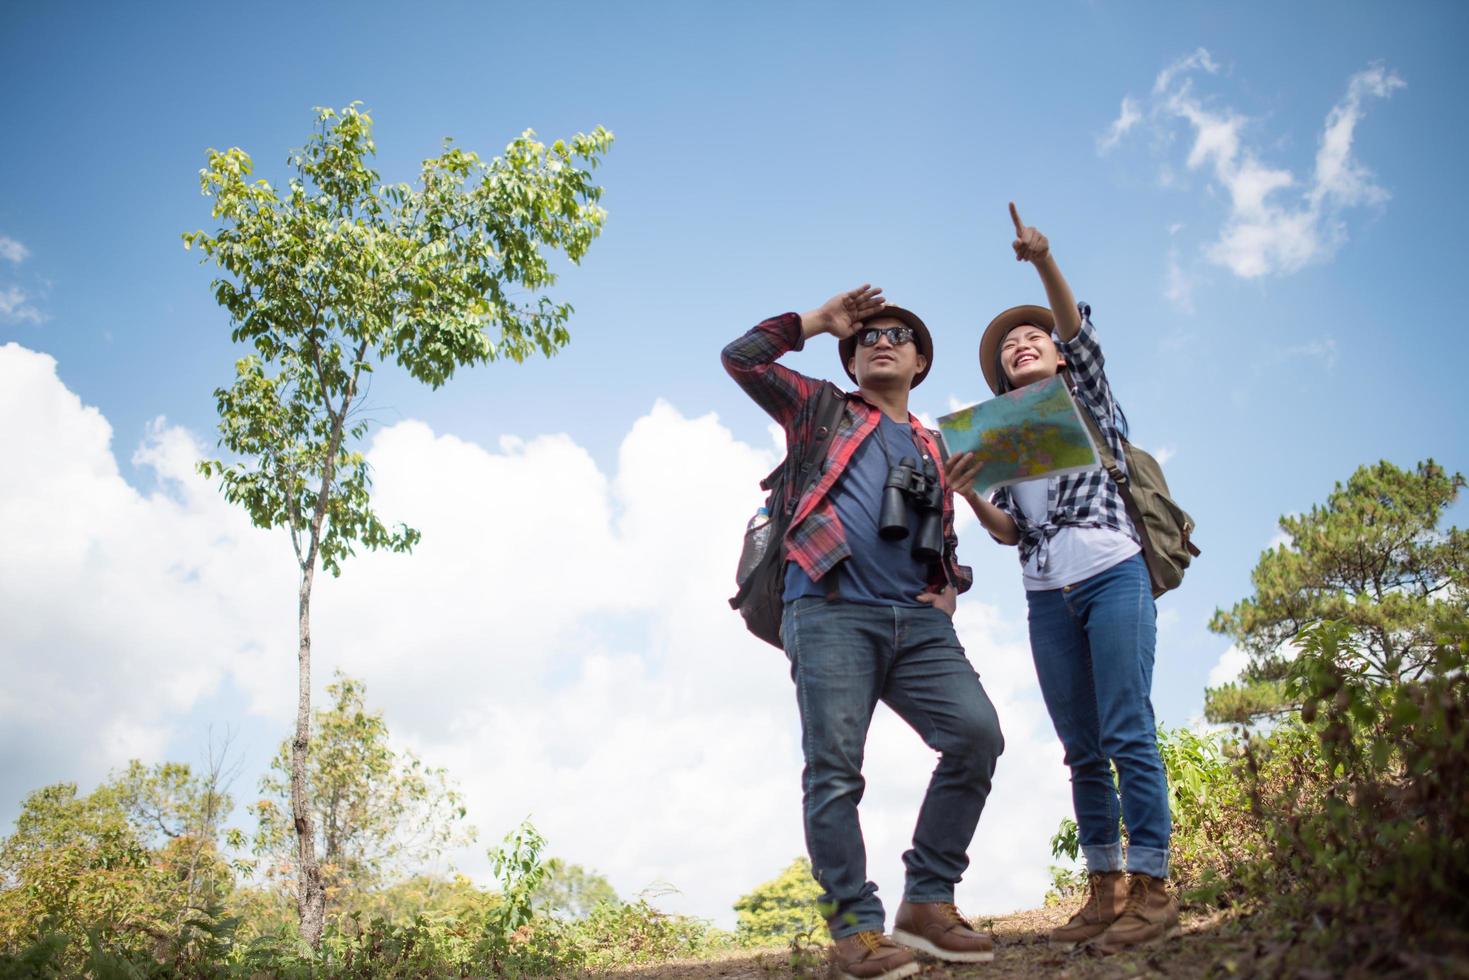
907	483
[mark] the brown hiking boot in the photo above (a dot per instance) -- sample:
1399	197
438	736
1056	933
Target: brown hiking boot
938	929
1150	915
1106	893
870	956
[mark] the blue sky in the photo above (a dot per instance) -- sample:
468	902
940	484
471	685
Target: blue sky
1270	324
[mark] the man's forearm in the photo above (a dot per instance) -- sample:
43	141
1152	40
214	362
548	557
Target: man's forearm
813	322
750	360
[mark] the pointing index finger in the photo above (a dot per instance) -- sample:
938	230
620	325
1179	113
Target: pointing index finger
1015	216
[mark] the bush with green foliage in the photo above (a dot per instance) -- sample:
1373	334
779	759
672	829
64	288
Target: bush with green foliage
1203	797
571	891
419	928
1345	827
623	934
783	907
1369	831
135	866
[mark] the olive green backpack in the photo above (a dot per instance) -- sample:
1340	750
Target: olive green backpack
1164	528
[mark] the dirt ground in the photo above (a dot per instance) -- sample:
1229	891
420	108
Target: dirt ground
1212	945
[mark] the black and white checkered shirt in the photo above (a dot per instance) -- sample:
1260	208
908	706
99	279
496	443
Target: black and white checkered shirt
1089	499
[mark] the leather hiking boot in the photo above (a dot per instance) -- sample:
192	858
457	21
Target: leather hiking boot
1149	915
1106	893
870	956
938	929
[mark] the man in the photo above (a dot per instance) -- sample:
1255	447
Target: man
867	620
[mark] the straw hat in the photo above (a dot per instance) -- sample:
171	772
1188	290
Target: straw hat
989	344
848	345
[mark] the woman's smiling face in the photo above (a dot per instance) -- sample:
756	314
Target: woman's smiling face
1028	354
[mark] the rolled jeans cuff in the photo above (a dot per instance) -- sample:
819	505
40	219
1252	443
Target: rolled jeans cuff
1148	861
1104	857
929	894
841	927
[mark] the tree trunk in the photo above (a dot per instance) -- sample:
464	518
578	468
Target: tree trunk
310	895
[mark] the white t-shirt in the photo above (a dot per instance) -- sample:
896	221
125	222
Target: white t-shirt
1077	553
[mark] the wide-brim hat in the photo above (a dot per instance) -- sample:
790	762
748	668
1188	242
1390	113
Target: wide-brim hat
848	345
989	344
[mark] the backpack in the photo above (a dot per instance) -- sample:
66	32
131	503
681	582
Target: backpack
761	571
1164	528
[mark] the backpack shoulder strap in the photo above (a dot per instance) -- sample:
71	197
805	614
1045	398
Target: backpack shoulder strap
1104	451
827	415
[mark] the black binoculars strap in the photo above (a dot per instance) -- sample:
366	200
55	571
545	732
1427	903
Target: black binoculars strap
887	453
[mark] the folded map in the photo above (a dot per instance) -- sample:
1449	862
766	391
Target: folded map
1023	434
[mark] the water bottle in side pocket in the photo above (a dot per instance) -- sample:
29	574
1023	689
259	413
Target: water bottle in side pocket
757	540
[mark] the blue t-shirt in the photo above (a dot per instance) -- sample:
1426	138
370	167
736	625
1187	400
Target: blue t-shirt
879	573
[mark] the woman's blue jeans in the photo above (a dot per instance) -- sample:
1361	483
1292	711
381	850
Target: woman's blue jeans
845	657
1093	646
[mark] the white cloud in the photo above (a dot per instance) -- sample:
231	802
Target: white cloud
15	303
1199	60
1128	116
1163	454
1340	179
559	641
1227	670
121	609
12	250
1276	223
15	306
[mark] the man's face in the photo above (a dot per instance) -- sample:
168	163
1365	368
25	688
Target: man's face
886	364
1028	354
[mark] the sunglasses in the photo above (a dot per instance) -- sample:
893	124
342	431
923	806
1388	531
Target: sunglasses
897	336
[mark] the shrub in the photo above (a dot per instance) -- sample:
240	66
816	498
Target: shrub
1369	832
783	907
1344	827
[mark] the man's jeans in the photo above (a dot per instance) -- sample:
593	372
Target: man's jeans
1093	647
844	658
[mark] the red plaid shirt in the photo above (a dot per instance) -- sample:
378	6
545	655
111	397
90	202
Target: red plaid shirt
816	539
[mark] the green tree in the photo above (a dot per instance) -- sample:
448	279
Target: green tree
1372	558
180	812
339	272
783	907
572	891
136	863
375	811
78	863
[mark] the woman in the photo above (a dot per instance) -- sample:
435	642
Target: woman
1092	618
